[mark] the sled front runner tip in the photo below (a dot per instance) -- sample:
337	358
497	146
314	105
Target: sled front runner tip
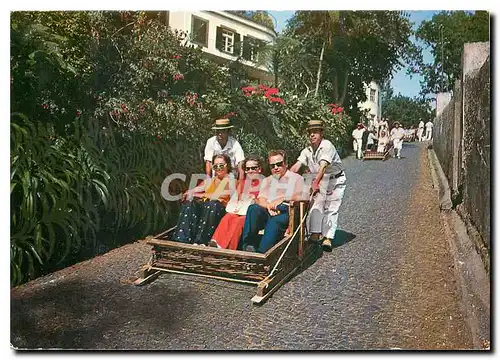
267	271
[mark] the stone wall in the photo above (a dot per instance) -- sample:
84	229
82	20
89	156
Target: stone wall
461	141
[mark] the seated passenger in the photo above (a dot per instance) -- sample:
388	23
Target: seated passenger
383	141
270	212
202	211
228	233
370	142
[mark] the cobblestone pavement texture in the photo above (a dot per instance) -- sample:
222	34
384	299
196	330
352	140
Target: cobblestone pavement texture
391	285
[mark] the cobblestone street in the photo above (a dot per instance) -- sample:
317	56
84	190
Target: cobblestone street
388	283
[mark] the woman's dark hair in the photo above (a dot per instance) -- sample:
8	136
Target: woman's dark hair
257	159
226	159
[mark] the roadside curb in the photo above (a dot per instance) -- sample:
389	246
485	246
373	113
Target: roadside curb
472	280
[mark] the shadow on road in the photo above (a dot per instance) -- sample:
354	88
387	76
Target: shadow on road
342	237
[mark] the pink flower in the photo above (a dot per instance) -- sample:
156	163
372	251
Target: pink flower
178	77
78	113
278	100
271	91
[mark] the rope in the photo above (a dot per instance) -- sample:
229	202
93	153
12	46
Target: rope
295	233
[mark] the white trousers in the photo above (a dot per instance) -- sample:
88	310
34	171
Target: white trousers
420	132
428	134
324	213
398	145
357	145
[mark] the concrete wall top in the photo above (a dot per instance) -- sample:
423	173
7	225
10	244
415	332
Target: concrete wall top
474	56
442	100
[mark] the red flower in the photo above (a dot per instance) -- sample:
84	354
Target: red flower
178	77
340	109
248	88
45	106
176	57
271	91
332	105
278	100
158	137
124	108
263	87
78	113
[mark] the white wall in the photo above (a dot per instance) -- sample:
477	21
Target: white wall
182	20
374	107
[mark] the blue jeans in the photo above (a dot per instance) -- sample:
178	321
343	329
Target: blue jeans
258	218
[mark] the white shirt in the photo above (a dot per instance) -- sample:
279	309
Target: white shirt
421	124
429	125
383	124
358	133
397	133
371	137
232	149
325	151
290	186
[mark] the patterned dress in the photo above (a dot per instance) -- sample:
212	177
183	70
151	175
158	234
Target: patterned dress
199	217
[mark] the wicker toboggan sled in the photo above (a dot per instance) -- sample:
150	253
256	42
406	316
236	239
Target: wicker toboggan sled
267	271
374	155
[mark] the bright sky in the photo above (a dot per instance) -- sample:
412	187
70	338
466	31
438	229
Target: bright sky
401	82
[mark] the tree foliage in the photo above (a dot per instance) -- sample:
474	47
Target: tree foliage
259	16
445	34
357	46
408	111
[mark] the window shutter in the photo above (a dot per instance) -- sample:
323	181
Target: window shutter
218	39
237	44
246	48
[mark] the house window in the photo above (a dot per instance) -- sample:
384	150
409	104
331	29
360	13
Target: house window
199	31
250	48
372	95
227	41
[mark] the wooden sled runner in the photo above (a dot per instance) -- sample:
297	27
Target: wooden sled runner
267	271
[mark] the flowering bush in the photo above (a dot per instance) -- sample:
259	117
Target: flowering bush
127	96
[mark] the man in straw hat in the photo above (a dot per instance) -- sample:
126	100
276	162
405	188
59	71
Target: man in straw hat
357	143
397	135
224	143
328	184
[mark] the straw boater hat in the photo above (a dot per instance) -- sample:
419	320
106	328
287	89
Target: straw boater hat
221	124
315	124
396	123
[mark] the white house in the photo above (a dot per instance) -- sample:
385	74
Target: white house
373	103
224	37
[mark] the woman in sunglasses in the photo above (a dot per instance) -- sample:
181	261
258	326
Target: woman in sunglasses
204	206
228	233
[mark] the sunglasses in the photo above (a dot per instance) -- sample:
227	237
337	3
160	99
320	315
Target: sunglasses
219	166
278	164
249	168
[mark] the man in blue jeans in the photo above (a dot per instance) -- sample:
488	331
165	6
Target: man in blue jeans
270	212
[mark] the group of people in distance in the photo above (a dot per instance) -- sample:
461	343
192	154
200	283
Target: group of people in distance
378	138
235	202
